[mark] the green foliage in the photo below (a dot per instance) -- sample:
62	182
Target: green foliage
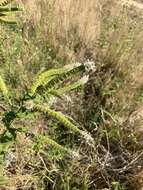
50	79
59	116
41	140
3	87
35	121
5	2
35	101
117	186
6	12
3	180
69	87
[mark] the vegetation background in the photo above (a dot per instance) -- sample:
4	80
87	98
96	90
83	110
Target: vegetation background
51	34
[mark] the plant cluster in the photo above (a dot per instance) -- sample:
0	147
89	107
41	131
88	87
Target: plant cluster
75	126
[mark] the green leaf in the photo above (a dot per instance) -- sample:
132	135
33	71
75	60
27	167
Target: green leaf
3	180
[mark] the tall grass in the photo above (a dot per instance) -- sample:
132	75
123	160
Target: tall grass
57	32
68	24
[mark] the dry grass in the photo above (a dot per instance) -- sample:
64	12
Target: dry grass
111	34
67	23
132	3
83	16
32	10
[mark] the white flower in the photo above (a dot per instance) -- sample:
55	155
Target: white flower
88	138
29	105
89	66
9	158
84	79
